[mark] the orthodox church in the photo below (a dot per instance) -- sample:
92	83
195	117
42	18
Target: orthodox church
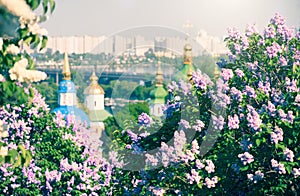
67	96
158	94
94	100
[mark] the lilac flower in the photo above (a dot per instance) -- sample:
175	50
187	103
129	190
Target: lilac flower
113	157
199	164
151	160
185	87
198	126
239	73
282	61
278	166
210	166
233	122
252	66
237	94
158	191
133	136
291	86
251	29
277	20
296	172
253	118
289	155
250	92
144	119
273	50
226	74
218	122
179	142
276	135
201	81
195	147
184	124
258	175
53	175
264	87
245	43
172	87
270	32
237	48
271	109
193	177
211	182
233	33
246	157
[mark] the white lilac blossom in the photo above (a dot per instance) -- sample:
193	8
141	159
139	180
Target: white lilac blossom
12	49
193	177
246	158
257	176
276	135
210	167
278	166
199	164
195	147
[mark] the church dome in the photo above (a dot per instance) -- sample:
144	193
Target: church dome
94	88
66	86
187	47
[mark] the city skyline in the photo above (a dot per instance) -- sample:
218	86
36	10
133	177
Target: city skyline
108	17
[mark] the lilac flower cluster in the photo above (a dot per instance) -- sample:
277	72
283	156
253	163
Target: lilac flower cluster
271	109
201	81
276	135
253	118
252	66
239	73
272	51
257	176
291	86
246	158
233	122
288	154
264	87
296	172
251	29
237	94
184	124
185	87
289	117
193	177
144	119
218	122
278	166
211	182
198	126
227	74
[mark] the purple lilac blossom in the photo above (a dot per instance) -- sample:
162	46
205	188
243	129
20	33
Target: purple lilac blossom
272	51
218	122
226	74
251	29
198	126
144	119
253	118
239	73
201	81
184	124
289	155
250	92
237	94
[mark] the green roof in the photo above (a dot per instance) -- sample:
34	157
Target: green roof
98	115
183	72
158	95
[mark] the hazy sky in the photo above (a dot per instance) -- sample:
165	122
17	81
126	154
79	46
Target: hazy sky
105	17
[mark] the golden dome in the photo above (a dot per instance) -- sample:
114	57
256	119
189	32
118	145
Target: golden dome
94	88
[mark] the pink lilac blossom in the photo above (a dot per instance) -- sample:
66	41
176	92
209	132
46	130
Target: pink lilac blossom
218	122
250	92
253	118
237	48
258	175
283	61
246	158
226	74
198	126
269	32
184	124
296	172
264	87
276	135
234	33
251	29
233	122
289	155
173	87
199	164
277	20
291	86
252	66
185	87
272	51
193	177
151	160
195	147
239	73
237	94
245	43
211	182
278	166
210	167
271	108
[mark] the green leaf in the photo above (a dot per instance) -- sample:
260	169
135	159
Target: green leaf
44	42
45	6
52	5
257	141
